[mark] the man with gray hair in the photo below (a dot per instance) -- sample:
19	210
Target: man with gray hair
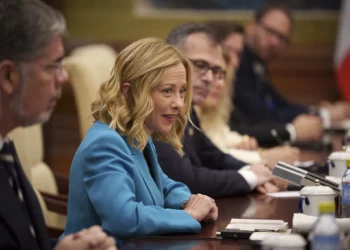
204	168
31	78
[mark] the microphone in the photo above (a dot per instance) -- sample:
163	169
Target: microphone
301	177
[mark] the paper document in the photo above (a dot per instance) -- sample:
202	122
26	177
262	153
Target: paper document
285	194
257	225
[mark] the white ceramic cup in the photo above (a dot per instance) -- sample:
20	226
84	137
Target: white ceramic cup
337	163
283	242
312	196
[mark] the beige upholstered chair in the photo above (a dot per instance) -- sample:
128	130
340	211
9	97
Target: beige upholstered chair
29	146
88	66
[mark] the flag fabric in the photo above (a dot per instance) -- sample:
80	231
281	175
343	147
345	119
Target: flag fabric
342	53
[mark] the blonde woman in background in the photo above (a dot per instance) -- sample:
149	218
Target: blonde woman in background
214	115
115	178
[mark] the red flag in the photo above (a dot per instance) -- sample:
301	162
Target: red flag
342	53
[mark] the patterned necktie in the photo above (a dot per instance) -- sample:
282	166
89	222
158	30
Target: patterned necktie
8	158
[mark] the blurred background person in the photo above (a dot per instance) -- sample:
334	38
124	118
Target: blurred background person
267	36
115	178
231	37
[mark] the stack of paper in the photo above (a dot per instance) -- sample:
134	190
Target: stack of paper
258	225
284	194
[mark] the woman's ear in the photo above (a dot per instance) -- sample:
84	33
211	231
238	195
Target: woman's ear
125	89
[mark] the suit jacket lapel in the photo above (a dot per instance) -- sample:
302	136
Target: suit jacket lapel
150	151
13	214
34	210
33	207
153	185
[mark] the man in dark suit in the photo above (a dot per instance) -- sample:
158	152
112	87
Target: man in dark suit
255	96
31	77
204	168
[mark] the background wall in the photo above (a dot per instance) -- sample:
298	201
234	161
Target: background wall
111	20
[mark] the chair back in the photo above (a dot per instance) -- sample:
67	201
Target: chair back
88	66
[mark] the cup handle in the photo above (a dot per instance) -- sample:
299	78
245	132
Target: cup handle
329	163
301	200
307	201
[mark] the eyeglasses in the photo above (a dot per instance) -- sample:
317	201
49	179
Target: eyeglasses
202	68
278	35
54	68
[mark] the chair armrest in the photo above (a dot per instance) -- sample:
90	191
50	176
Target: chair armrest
55	205
54	232
62	181
59	197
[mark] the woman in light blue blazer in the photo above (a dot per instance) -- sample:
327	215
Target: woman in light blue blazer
115	178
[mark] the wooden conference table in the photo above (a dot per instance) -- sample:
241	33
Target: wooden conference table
266	207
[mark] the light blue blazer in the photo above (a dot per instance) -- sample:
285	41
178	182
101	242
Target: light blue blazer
110	185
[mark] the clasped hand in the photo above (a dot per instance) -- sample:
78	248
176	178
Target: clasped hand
92	238
202	208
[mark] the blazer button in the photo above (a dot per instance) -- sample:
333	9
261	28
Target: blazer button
190	131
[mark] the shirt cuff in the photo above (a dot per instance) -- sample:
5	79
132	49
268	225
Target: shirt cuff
326	120
292	132
249	176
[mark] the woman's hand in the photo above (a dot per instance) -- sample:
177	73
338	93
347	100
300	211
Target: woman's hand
280	183
247	143
282	153
213	214
267	187
201	208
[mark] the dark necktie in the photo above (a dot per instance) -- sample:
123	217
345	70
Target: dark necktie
8	158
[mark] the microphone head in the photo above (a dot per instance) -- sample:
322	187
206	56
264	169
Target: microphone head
287	174
300	176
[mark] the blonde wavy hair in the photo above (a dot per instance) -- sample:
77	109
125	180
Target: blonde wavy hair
141	64
215	116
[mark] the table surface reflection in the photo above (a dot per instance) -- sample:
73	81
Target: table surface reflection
266	207
231	207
